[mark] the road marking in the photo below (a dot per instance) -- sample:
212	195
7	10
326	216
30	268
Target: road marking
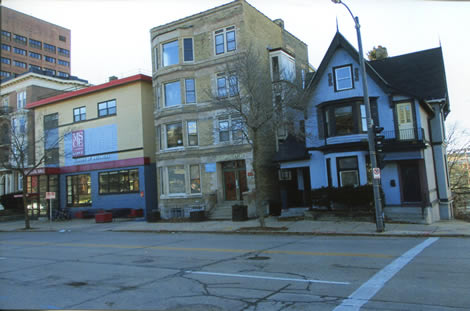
198	249
266	277
368	290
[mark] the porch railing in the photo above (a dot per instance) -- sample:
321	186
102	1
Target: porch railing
411	134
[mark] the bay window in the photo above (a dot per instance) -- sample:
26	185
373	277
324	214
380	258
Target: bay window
174	135
170	53
344	118
172	94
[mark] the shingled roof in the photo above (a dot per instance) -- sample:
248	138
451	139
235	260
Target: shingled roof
420	74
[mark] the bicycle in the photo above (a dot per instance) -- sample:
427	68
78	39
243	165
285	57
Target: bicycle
61	214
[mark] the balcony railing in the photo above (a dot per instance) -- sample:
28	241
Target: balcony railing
411	134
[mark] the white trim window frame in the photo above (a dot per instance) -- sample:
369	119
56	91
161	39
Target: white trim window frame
230	129
188	49
227	85
21	100
225	40
190	91
175	140
180	180
192	133
343	78
172	94
170	53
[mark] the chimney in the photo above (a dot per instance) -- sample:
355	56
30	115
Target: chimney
112	78
279	22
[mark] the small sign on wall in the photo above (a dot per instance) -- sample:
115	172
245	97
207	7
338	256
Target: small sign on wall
210	168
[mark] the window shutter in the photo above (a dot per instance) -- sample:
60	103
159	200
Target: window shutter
321	123
330	79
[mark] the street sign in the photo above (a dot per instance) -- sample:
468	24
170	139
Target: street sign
376	172
50	195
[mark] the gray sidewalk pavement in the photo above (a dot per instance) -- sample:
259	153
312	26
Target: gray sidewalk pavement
452	228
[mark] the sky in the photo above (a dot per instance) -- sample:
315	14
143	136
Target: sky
112	37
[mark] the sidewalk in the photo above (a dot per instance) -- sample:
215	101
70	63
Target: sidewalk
452	228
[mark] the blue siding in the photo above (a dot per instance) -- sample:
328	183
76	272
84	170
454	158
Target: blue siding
133	200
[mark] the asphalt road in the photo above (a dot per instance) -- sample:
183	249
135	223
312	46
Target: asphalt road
146	271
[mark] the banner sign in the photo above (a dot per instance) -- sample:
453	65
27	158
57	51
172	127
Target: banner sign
78	143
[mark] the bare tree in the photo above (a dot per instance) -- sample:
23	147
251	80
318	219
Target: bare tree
24	159
458	158
264	107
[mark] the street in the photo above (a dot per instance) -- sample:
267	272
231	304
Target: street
184	271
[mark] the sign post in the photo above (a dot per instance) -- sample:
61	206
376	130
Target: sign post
50	196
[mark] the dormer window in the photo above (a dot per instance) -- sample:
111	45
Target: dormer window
343	78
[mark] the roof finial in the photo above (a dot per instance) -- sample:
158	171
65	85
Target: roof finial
337	26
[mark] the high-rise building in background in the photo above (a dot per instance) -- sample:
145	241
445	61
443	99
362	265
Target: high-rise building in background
28	43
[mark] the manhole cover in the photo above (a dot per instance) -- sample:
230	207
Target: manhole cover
259	258
76	284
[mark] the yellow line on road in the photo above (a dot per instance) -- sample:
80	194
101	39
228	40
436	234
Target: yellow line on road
196	249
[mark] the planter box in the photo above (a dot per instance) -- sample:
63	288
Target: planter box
104	217
137	213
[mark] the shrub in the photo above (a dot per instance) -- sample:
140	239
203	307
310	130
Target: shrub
359	198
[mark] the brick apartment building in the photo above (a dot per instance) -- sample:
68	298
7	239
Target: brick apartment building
31	43
202	160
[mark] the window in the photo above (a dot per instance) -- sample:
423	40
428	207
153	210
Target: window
22	122
172	94
170	53
225	40
19	51
62	38
343	78
34	55
21	100
49	59
188	55
176	179
156	58
122	181
51	141
6	61
227	85
344	120
51	121
19	39
34	67
230	129
5	74
190	91
49	71
79	114
276	71
6	35
192	133
174	135
107	108
63	74
6	47
35	44
63	63
363	118
78	190
49	48
348	173
63	52
195	179
19	64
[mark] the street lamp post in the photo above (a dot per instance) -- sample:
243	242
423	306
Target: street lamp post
370	124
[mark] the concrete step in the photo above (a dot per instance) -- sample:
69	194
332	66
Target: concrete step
222	212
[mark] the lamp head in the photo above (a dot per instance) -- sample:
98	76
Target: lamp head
336	1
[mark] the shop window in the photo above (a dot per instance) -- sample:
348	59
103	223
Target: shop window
78	190
122	181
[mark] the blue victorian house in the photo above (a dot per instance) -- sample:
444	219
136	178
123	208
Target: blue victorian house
409	99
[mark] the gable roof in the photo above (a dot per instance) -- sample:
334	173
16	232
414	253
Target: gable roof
420	74
339	41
